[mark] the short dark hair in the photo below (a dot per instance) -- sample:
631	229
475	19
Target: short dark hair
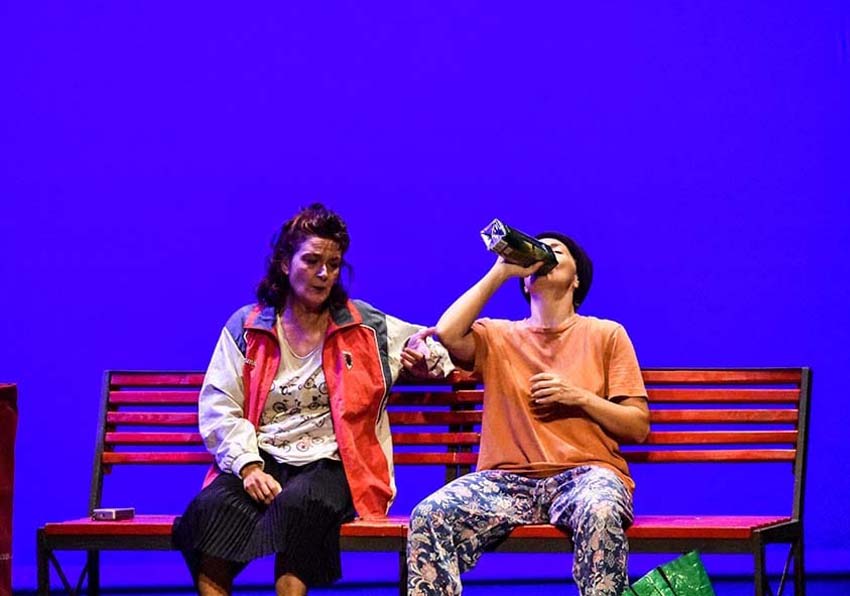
315	220
584	267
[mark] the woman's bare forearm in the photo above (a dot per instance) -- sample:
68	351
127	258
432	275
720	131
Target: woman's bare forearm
453	328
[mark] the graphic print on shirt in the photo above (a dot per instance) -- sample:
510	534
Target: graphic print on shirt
296	426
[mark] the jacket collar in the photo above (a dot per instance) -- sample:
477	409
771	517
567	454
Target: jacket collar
264	318
344	316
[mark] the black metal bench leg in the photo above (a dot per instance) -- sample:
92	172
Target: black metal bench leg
402	573
760	578
93	566
799	568
43	564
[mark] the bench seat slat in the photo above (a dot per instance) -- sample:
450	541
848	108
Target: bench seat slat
140	525
648	527
160	525
644	527
701	526
392	526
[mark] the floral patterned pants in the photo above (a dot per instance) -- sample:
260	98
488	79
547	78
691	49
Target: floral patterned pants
452	528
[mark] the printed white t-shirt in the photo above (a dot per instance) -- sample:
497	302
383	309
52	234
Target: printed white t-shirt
296	426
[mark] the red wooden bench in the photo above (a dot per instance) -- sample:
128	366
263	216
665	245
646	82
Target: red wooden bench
699	416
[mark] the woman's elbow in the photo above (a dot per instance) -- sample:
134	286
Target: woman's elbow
460	346
642	428
446	335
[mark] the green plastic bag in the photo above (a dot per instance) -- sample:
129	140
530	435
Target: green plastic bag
684	576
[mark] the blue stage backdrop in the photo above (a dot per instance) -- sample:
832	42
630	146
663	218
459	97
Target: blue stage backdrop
149	152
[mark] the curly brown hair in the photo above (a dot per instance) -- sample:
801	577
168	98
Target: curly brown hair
315	220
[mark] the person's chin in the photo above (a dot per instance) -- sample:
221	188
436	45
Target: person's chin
321	298
314	300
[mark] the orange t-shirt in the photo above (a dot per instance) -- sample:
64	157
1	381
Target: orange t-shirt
591	353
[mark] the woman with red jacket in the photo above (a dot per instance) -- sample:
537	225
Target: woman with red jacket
293	409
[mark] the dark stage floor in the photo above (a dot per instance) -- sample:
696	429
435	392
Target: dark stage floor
839	586
818	586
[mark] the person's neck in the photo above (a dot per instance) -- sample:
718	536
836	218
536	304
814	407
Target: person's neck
550	314
308	321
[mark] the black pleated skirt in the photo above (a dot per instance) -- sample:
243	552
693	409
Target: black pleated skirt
301	525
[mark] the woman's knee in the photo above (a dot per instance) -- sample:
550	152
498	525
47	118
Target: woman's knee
305	499
426	510
599	516
605	514
437	514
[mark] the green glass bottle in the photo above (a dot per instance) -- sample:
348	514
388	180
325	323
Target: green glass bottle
517	247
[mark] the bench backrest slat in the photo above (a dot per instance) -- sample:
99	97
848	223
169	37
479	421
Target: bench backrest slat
153	418
726	416
434	398
746	376
730	395
458	458
153	438
155	457
715	455
719	437
444	438
128	379
188	397
428	417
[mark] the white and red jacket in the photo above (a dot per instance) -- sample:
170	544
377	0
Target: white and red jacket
360	361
